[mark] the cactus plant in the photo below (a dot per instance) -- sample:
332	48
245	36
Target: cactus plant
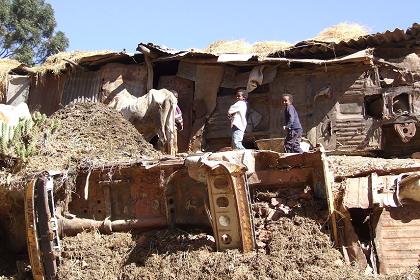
20	141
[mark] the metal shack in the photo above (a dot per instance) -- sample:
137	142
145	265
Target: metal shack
14	82
357	95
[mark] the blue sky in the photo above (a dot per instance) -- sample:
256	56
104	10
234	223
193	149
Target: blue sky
118	25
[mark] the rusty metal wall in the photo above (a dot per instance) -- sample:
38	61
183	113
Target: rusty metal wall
50	92
117	76
393	145
45	93
82	86
398	238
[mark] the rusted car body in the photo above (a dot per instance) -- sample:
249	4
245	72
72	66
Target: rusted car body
212	191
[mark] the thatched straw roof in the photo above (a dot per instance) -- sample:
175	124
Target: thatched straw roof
241	46
6	65
341	32
266	47
58	62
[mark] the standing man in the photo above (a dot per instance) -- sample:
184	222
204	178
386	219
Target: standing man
237	115
292	126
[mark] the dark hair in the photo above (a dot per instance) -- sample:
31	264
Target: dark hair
242	92
288	95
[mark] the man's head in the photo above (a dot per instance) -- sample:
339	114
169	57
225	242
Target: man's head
241	94
287	99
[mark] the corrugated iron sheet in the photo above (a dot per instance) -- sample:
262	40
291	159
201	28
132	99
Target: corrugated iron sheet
304	49
309	49
46	92
398	238
82	87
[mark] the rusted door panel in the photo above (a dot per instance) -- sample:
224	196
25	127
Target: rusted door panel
129	193
186	199
398	238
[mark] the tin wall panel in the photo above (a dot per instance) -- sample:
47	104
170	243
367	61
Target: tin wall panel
398	238
17	89
45	94
82	87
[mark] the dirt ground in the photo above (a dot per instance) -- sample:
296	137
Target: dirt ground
347	166
293	244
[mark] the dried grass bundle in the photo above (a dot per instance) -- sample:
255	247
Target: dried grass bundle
241	47
58	62
342	32
234	46
6	65
266	47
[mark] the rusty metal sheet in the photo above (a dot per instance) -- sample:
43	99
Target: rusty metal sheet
31	232
185	200
129	193
311	49
398	238
82	86
117	77
45	94
357	193
281	177
230	209
393	145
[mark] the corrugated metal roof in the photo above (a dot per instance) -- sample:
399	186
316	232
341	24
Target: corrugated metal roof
162	54
310	49
101	59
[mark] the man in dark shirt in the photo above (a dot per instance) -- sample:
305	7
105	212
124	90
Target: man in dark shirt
292	126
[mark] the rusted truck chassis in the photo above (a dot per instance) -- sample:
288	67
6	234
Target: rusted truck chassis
213	191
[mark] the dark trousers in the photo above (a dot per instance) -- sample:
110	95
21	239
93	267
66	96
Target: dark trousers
292	141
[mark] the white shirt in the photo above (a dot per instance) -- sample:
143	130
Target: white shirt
238	110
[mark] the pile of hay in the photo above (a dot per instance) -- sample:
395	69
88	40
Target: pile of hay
58	62
242	47
341	32
90	134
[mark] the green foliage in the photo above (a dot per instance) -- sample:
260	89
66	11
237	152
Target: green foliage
20	141
27	31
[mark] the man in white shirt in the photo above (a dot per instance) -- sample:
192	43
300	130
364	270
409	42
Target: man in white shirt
237	115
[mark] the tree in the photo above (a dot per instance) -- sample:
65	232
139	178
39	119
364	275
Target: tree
27	31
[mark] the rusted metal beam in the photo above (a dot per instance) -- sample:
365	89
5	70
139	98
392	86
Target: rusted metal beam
73	226
281	177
